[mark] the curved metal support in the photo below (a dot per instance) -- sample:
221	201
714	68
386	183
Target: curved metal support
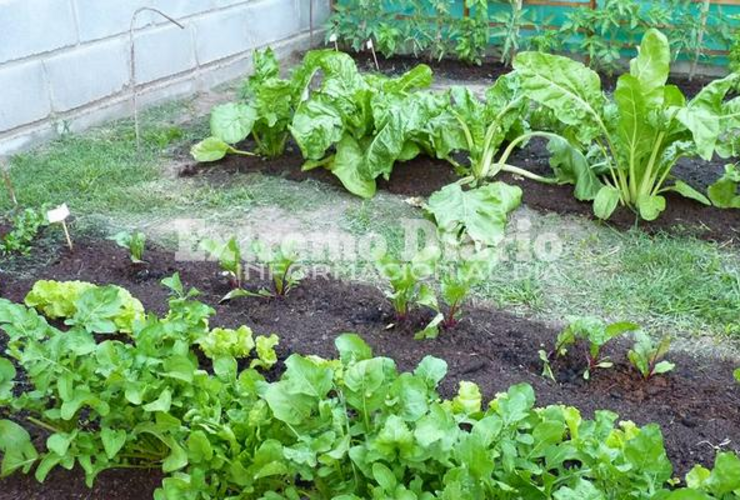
132	62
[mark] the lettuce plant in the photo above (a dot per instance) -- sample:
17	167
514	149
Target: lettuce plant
640	133
27	224
595	333
134	243
238	344
725	193
106	309
647	356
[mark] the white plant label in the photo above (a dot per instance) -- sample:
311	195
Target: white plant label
370	44
58	214
333	38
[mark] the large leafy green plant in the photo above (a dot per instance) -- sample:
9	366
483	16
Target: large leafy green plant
642	131
725	193
263	113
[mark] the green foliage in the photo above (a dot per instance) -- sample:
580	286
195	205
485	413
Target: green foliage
408	280
734	54
457	283
479	214
647	356
643	132
135	243
348	428
284	272
221	343
105	309
229	257
473	34
26	226
595	333
601	32
725	193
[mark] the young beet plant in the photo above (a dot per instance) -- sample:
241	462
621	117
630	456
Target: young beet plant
639	134
456	286
594	334
408	286
135	243
647	356
229	258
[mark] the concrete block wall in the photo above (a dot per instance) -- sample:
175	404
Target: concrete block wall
65	64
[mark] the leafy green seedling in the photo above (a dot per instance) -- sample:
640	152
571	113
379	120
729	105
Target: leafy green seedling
134	243
737	375
596	333
455	288
646	356
284	272
26	224
408	287
229	257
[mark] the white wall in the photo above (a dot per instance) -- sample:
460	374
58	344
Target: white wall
66	63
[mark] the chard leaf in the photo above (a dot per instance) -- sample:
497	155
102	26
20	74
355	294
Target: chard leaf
566	86
316	127
210	149
571	166
606	202
347	166
480	213
724	193
687	191
650	206
232	122
653	61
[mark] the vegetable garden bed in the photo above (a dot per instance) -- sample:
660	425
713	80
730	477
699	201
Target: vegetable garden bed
697	405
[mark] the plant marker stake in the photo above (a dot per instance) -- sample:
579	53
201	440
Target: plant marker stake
375	57
59	215
9	184
132	69
333	38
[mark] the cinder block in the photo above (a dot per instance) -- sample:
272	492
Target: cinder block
24	97
321	12
30	28
88	73
105	18
163	52
272	20
220	35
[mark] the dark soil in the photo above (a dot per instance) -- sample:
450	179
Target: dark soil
423	176
697	405
492	68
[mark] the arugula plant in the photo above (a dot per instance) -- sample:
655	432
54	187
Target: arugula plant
647	356
639	136
595	334
725	193
135	243
408	281
26	226
229	257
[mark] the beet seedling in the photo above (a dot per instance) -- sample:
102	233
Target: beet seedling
455	288
646	355
134	243
408	287
229	257
593	331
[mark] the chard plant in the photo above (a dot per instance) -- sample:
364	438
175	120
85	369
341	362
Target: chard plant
134	242
641	132
408	281
229	257
594	334
284	273
725	193
647	356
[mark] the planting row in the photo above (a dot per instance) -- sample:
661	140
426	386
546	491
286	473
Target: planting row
431	29
617	150
118	388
